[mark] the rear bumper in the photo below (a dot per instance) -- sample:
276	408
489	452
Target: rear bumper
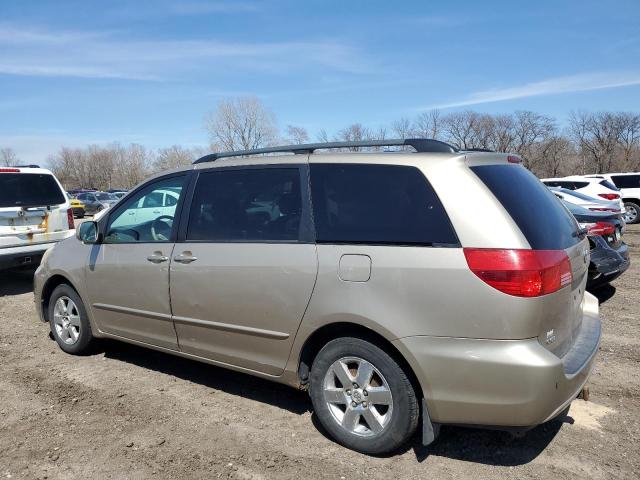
23	256
508	383
607	263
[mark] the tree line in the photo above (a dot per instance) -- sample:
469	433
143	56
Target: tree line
591	142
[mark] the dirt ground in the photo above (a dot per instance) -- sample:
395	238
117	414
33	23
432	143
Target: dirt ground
128	413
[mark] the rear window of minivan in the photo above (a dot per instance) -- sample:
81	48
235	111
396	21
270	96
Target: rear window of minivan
29	190
542	219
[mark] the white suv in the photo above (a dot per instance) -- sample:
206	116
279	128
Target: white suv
598	188
629	185
35	213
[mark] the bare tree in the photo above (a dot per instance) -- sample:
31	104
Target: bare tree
355	132
8	157
323	136
428	125
241	124
297	135
630	140
402	128
553	156
530	128
460	129
598	135
173	157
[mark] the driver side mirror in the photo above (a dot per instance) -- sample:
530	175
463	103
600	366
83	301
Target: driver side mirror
87	232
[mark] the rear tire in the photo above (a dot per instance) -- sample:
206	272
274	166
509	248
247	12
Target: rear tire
632	212
68	320
373	409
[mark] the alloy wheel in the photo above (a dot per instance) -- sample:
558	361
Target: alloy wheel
358	396
66	319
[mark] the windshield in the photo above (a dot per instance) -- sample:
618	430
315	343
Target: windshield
29	190
104	196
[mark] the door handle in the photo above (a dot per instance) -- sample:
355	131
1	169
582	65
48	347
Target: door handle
156	211
185	257
157	257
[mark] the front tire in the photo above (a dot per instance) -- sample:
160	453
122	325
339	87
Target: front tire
362	397
632	212
68	320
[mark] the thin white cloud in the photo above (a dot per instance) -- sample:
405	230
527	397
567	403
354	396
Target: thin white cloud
551	86
37	52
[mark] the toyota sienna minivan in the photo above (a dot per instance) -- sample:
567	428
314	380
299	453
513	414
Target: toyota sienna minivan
400	288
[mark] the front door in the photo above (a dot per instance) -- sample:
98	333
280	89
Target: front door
128	273
243	275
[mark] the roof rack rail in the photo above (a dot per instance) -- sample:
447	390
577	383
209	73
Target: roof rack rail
420	145
27	166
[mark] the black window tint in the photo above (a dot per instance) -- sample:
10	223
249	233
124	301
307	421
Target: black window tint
246	205
29	190
608	184
377	204
577	185
627	181
537	212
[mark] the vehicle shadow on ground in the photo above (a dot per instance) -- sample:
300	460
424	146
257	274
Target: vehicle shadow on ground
489	447
16	282
604	293
228	381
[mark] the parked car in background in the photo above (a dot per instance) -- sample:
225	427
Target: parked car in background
95	202
585	201
75	191
629	185
342	274
609	253
76	206
35	213
119	195
593	187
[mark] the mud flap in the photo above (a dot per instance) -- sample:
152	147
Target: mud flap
430	430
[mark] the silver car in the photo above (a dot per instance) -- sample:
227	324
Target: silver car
399	288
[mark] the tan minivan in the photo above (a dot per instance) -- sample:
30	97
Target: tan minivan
400	288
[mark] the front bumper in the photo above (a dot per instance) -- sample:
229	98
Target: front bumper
504	383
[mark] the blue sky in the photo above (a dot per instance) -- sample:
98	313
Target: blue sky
79	72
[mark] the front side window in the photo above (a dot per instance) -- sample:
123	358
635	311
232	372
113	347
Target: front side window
142	219
377	204
246	205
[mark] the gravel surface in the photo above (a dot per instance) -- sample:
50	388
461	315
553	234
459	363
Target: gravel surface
126	412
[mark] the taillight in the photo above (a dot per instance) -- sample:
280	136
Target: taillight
9	170
599	228
609	196
70	219
522	273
